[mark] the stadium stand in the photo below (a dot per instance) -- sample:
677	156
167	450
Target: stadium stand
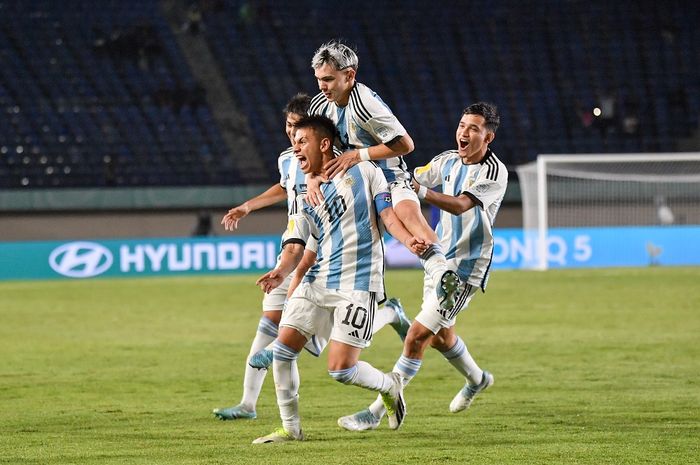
98	94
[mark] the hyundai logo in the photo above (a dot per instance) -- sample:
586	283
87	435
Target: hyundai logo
80	259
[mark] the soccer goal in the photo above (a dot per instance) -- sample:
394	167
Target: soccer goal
598	190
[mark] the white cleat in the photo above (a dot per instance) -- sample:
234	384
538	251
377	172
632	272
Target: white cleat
360	421
465	396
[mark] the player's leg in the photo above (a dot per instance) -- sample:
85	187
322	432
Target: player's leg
254	378
392	313
456	353
370	417
296	327
407	208
352	331
433	326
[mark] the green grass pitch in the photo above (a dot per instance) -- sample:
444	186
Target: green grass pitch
591	367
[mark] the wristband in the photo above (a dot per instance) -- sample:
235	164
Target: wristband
422	192
364	154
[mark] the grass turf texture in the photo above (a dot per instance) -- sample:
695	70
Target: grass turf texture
591	367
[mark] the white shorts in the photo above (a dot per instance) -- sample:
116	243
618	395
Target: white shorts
402	190
274	301
346	316
431	316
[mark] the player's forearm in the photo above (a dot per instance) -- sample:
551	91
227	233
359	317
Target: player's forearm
396	148
290	257
306	262
449	203
271	196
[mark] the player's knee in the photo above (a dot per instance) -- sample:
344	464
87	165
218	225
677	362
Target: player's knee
438	342
345	376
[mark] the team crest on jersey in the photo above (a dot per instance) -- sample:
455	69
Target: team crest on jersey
349	181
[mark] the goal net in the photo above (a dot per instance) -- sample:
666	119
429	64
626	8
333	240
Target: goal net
569	191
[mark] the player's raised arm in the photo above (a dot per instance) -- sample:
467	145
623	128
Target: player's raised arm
271	196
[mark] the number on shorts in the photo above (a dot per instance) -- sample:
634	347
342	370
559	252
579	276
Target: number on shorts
351	316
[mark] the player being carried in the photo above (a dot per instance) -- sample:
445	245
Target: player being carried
291	185
369	131
343	287
473	182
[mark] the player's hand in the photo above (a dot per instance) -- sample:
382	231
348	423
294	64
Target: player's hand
270	280
339	165
234	215
314	197
416	245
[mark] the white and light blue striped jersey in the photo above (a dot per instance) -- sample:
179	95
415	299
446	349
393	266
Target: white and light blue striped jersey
350	252
365	121
291	178
467	239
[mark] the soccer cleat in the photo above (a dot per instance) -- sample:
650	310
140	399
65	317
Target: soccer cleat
448	290
261	359
280	435
394	402
234	413
465	396
401	327
360	421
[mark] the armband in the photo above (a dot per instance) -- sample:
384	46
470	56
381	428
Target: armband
422	192
382	201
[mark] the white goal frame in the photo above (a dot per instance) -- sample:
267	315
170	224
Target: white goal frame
541	165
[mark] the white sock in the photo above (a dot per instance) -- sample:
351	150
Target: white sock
382	317
461	359
364	375
286	374
254	378
434	263
408	368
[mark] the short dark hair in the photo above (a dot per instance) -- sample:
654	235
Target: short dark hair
299	104
324	126
489	111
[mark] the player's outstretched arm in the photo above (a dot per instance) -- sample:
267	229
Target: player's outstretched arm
271	196
396	228
451	204
289	259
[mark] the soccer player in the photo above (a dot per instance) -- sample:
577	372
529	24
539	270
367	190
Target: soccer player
369	131
291	185
473	182
344	285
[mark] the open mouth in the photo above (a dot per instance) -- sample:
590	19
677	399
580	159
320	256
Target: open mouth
463	144
303	162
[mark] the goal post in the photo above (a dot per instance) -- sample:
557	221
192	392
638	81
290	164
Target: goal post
606	190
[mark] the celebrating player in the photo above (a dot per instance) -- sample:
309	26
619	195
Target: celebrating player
473	184
369	131
342	289
291	185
